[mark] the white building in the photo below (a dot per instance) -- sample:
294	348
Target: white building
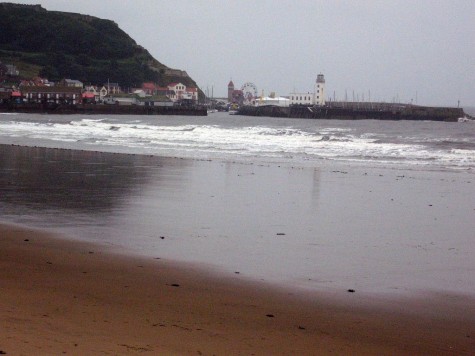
315	98
272	100
179	91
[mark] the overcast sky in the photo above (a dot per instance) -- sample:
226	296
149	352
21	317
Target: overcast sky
403	50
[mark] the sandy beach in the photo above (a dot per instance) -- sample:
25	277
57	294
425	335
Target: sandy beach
63	297
104	253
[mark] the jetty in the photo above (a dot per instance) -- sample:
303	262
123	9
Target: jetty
357	111
102	109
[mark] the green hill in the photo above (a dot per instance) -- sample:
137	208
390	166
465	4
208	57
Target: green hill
60	45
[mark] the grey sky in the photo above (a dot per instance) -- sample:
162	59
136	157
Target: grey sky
391	50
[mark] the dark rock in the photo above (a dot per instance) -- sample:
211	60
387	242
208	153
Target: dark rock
280	234
351	290
175	285
301	327
162	237
26	240
270	315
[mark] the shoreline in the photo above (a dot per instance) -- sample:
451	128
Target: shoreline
61	296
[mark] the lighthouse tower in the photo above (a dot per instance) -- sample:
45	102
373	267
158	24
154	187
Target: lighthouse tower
230	91
320	92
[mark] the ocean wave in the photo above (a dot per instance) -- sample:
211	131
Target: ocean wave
307	142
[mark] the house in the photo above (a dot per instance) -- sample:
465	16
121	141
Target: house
99	93
88	97
112	88
149	88
140	93
122	99
179	92
56	94
71	83
36	81
12	71
155	100
154	89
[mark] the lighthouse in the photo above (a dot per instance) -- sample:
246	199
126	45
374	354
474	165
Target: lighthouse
319	93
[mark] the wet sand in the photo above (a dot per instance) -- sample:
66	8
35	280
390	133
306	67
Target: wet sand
147	250
64	297
329	228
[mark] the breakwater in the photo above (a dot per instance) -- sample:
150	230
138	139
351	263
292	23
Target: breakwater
98	109
340	111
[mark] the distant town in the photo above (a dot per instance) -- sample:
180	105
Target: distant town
72	96
69	91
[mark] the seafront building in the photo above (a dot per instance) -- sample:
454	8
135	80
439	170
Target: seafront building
247	96
274	100
316	98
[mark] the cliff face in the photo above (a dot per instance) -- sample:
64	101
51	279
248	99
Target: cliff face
59	44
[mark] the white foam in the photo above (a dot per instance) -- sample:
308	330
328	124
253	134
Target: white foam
194	140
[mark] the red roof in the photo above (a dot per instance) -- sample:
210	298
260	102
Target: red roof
148	86
16	93
88	95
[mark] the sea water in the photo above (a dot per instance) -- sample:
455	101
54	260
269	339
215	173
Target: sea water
432	145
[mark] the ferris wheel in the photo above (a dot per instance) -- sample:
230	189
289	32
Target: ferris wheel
249	92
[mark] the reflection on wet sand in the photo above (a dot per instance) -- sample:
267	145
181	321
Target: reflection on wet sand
82	181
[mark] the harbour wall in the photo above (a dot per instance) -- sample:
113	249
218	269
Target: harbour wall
389	112
98	109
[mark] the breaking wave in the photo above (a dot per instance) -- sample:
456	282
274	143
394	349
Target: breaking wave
294	141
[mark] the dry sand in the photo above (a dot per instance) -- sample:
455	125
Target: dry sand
63	297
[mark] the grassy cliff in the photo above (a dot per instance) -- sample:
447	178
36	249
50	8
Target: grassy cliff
60	45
